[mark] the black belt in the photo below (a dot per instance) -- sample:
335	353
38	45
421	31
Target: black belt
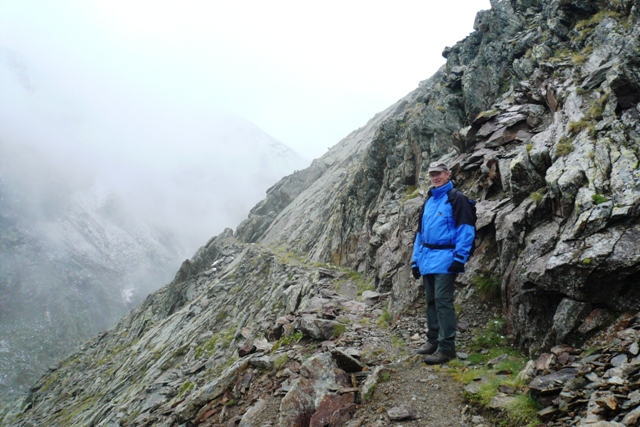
427	245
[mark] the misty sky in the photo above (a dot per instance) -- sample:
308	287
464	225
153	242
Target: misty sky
307	73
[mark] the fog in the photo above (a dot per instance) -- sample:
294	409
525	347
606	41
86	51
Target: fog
195	172
102	199
306	73
147	98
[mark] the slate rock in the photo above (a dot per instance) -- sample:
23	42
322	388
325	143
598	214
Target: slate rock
553	382
334	410
318	375
251	413
402	412
346	362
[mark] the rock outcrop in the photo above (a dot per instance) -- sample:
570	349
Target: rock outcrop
537	114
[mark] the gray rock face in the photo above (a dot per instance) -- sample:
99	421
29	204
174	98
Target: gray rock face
549	151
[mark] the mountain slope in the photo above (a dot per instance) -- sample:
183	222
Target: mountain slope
72	265
81	243
537	114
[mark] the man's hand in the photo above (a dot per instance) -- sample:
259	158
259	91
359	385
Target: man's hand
456	267
415	272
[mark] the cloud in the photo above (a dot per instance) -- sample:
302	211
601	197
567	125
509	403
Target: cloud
307	73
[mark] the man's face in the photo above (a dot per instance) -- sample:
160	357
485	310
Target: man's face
438	179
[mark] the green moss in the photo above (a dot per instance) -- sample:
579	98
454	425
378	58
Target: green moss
411	193
590	350
599	198
208	347
385	376
185	388
586	261
581	91
456	363
50	379
522	410
76	408
369	394
216	370
397	341
229	336
131	418
287	256
287	341
536	197
529	147
458	308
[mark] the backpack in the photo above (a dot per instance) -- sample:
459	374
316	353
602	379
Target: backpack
451	195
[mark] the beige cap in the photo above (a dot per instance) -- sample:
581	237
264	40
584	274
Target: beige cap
438	167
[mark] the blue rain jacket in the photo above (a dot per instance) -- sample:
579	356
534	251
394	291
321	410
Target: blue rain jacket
443	223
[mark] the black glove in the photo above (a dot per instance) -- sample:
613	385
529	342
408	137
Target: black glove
415	272
456	267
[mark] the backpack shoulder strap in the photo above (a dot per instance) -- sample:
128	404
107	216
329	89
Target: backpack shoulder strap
451	194
462	207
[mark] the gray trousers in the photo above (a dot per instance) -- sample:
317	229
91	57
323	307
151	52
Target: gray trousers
441	314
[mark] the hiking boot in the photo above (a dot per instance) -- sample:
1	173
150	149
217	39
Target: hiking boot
430	348
439	358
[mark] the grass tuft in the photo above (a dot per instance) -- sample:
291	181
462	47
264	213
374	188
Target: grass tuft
280	361
536	197
385	319
522	410
491	336
564	146
488	288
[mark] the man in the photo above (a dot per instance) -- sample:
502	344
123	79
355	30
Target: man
444	238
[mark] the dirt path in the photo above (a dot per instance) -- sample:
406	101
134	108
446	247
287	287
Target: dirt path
407	391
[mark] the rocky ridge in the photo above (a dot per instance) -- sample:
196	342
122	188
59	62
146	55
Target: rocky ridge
208	350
